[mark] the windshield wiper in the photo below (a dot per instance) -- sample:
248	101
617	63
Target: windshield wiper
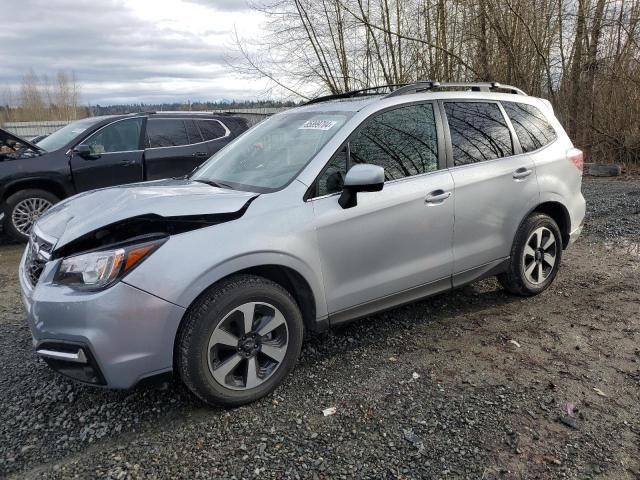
214	184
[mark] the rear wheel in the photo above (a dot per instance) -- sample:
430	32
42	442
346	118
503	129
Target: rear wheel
239	341
535	256
23	208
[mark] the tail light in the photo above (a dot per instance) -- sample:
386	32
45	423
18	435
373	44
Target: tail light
576	157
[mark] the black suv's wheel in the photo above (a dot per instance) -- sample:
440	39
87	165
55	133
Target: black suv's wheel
535	256
23	208
239	341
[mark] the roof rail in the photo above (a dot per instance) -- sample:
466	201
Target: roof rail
428	85
356	93
417	87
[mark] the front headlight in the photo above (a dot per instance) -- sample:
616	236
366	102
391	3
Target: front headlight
99	269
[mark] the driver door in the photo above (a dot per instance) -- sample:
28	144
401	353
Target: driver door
395	245
117	156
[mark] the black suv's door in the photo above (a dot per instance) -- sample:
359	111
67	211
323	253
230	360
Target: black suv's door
174	147
116	156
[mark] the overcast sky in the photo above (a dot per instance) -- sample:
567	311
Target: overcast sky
129	51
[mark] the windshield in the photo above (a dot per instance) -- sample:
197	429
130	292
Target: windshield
62	137
272	154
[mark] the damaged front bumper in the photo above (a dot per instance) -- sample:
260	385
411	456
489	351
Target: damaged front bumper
115	337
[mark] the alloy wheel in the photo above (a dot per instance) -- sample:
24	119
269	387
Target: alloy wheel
248	346
539	256
26	213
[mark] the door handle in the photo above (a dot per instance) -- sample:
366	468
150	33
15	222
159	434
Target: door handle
437	197
522	173
201	154
127	163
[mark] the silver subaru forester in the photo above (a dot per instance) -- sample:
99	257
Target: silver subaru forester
332	211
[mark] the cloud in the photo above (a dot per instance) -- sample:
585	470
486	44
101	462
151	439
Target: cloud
225	5
135	49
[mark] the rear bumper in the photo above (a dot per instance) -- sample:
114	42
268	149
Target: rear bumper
577	213
573	236
115	337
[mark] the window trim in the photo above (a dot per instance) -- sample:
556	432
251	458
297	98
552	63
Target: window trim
183	119
227	132
311	193
515	143
555	131
140	139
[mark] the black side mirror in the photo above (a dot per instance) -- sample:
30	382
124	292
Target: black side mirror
85	152
335	182
363	177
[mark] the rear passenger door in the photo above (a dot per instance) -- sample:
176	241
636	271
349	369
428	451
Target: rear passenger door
495	185
174	147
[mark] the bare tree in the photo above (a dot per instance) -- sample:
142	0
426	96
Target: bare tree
583	55
39	98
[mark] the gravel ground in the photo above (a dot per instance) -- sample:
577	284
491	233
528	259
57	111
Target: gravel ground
472	384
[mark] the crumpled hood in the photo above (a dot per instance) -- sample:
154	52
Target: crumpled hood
90	211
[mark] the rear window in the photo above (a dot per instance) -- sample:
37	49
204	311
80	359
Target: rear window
479	132
166	133
211	129
531	126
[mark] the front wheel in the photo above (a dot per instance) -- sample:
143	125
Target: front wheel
239	341
535	256
23	208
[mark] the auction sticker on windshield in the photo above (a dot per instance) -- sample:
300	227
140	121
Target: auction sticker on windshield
317	125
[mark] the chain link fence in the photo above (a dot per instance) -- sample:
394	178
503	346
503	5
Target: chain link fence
30	130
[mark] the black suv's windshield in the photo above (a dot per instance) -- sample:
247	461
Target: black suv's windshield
270	155
62	137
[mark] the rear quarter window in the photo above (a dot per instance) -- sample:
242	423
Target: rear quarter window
211	129
531	126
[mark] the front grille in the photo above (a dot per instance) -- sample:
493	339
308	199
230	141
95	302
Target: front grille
38	254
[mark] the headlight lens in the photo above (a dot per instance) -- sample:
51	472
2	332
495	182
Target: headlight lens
99	269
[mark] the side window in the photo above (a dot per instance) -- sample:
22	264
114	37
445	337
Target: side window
531	126
479	132
403	141
192	131
211	129
120	136
331	180
166	133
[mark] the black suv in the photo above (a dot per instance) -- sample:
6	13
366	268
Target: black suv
100	152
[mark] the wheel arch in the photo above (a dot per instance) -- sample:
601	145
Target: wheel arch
52	186
559	213
288	278
294	283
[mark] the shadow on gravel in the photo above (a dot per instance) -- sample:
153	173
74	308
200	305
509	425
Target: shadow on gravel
396	323
45	416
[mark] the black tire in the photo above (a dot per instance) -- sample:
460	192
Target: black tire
515	280
14	200
200	322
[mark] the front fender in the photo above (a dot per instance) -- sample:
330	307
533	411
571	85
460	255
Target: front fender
189	263
147	278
